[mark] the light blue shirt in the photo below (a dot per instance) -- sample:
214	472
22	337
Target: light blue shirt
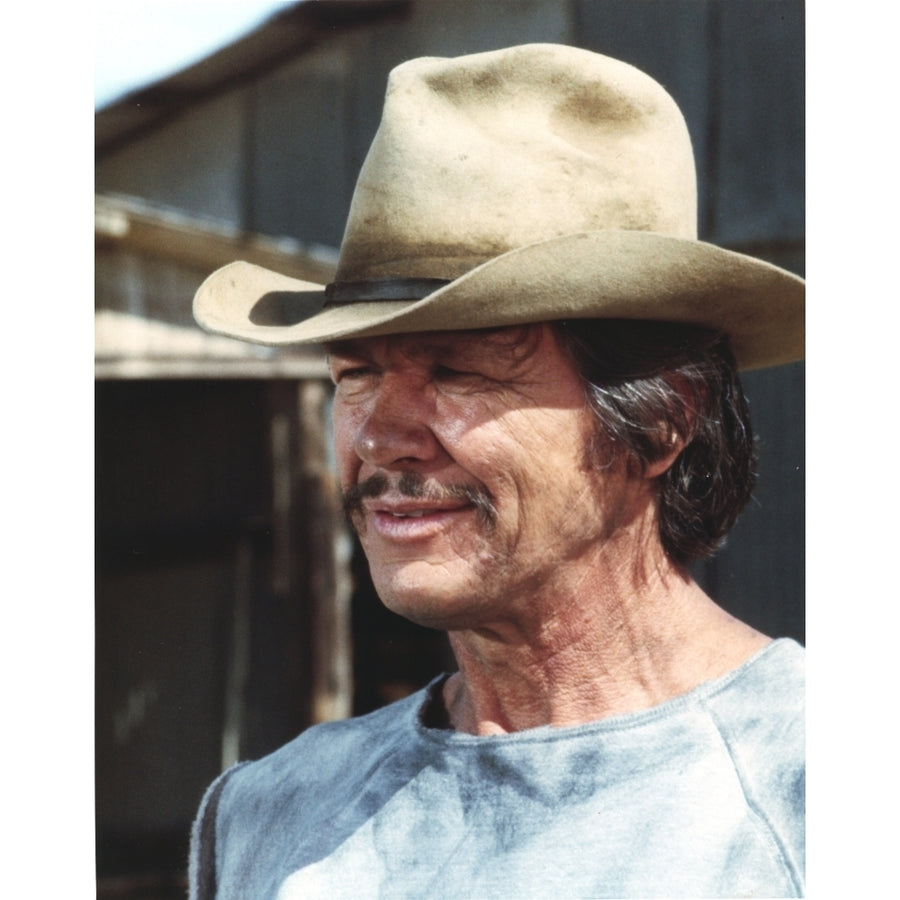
701	796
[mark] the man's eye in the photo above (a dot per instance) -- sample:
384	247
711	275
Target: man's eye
444	371
351	374
457	376
466	379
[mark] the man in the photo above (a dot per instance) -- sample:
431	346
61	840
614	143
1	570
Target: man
538	424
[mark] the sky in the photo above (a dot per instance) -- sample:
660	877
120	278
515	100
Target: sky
140	41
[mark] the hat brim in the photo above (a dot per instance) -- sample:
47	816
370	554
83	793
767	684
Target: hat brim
589	275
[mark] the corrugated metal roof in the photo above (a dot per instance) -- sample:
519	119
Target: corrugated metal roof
128	346
134	347
285	35
144	227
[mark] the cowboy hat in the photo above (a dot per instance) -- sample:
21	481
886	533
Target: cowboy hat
535	183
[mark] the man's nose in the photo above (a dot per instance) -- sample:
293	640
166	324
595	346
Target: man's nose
397	426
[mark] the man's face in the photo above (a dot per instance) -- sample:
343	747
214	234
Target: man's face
463	459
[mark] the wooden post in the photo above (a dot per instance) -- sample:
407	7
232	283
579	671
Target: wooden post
327	548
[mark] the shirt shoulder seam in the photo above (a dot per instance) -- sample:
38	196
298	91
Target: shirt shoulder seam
753	806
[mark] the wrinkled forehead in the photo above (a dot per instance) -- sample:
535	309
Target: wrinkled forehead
508	344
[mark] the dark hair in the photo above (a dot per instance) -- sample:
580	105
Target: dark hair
650	382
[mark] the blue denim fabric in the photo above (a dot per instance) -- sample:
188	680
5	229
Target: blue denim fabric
702	796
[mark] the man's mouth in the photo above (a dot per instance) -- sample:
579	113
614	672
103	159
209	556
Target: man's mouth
413	496
404	510
407	524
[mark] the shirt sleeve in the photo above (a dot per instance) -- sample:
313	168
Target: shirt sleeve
202	863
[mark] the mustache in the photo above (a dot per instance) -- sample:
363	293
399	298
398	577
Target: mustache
417	486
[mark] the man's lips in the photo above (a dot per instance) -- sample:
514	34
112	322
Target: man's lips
406	510
414	499
407	521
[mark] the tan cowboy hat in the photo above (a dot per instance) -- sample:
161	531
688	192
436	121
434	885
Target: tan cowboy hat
529	184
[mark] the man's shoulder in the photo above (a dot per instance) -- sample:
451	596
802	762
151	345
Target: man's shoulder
760	717
767	692
759	710
329	750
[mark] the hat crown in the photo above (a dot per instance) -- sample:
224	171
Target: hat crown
482	154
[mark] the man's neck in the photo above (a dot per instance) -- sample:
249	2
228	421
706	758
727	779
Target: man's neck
603	653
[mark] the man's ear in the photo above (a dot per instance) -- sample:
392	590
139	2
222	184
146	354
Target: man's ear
674	444
678	431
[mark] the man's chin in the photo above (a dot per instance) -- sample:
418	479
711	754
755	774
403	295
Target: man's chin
431	608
